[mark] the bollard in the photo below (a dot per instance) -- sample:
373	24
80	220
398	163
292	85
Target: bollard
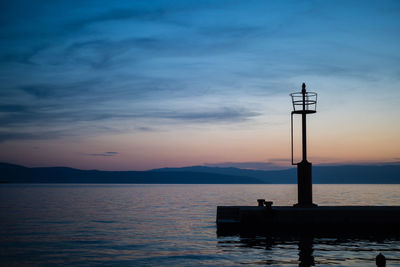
261	202
268	204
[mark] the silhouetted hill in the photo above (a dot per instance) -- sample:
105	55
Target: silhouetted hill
345	174
341	174
288	176
18	174
357	174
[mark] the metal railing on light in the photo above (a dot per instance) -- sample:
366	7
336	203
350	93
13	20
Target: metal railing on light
308	104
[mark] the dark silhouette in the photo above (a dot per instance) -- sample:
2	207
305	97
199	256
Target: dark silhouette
306	217
303	103
368	174
380	260
306	258
339	174
18	174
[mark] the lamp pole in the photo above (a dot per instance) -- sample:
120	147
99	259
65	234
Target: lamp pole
304	122
304	168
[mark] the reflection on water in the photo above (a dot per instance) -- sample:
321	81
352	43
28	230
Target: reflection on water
147	225
311	251
306	257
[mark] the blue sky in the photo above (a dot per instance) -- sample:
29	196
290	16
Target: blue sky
173	83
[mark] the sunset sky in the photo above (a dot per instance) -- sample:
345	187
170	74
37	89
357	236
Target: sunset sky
136	85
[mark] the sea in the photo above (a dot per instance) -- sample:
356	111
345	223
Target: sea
170	225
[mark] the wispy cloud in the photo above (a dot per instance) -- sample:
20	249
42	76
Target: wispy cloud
253	165
225	114
24	57
145	129
15	115
279	159
105	154
37	135
57	107
119	14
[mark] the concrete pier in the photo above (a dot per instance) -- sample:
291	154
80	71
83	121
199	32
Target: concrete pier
321	220
305	217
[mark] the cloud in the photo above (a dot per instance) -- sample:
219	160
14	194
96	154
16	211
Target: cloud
216	40
145	129
23	57
46	91
225	114
135	56
89	108
232	32
280	159
88	101
61	90
253	165
105	53
164	12
105	154
40	135
119	14
5	108
69	22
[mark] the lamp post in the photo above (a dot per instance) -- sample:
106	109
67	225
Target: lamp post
303	103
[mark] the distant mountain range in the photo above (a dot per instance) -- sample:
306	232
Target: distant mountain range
343	174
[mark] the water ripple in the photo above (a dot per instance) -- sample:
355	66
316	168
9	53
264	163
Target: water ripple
168	225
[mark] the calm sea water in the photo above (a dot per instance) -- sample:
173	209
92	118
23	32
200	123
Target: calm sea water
168	225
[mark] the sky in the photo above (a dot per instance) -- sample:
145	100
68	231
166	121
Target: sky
137	85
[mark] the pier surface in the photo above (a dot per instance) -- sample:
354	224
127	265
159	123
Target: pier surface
318	220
